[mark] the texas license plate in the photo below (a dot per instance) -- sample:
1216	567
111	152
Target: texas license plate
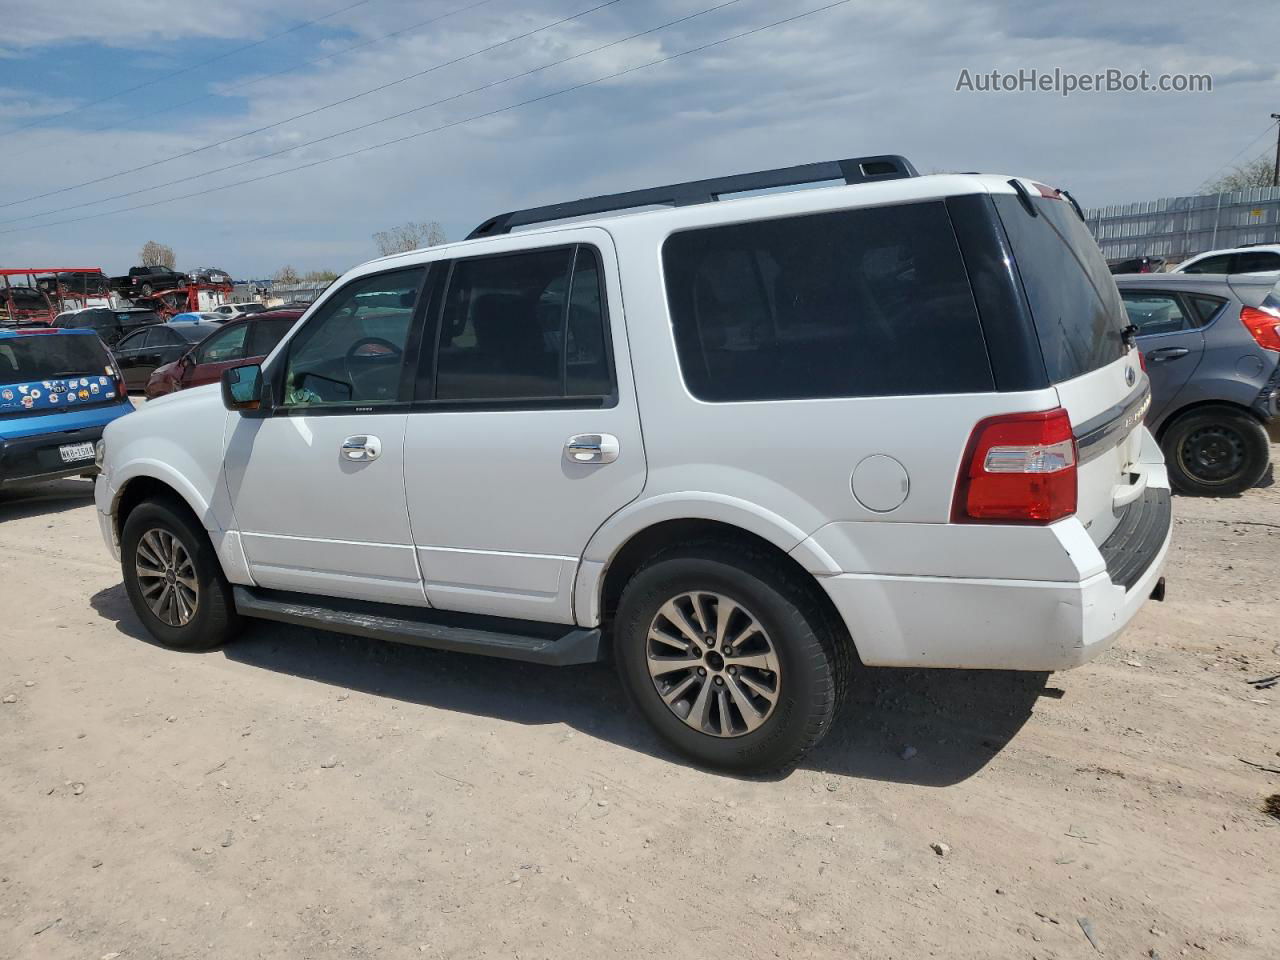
75	452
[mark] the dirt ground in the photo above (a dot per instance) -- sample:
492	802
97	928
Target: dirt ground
306	795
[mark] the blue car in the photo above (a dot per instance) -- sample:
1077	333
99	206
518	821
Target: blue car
58	389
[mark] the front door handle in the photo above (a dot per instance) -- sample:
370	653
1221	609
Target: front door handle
1167	353
361	448
592	448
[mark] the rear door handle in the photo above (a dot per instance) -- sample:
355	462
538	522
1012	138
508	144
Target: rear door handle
361	448
1167	353
592	448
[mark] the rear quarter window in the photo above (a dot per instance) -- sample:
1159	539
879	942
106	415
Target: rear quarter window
1073	297
857	303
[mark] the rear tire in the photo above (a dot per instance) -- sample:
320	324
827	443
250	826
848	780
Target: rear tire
1216	452
752	694
174	580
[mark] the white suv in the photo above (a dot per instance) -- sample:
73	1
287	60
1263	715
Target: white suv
742	445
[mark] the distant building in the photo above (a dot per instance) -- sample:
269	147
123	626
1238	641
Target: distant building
1179	227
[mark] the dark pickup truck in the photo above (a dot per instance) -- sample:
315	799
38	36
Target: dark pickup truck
144	281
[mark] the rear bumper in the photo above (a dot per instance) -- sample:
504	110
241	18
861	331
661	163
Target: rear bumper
38	458
988	624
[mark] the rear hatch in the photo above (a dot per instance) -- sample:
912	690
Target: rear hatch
44	373
1080	322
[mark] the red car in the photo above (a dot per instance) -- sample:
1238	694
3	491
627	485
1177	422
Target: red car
246	340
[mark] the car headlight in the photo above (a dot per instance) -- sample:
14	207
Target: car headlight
99	453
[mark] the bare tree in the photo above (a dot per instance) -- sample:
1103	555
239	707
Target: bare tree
155	254
1256	173
320	276
409	236
286	275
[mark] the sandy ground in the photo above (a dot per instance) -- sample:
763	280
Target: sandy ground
309	795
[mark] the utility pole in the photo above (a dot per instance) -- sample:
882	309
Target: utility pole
1275	173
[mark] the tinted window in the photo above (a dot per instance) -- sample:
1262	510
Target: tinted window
868	302
352	348
1154	313
89	318
1206	307
134	318
47	356
265	334
223	346
133	341
1218	264
1257	261
1073	297
522	326
192	332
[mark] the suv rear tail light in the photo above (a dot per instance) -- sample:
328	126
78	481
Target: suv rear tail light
1264	324
1018	468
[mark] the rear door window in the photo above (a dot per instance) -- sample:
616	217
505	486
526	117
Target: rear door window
1205	306
1154	313
1074	302
858	303
1217	264
265	334
524	326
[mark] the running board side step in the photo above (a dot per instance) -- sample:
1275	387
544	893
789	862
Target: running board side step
556	645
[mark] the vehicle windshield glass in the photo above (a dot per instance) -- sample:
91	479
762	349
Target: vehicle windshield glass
1073	296
46	356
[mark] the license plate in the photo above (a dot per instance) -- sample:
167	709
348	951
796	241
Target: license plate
75	452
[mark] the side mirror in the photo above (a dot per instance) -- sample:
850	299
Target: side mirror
242	388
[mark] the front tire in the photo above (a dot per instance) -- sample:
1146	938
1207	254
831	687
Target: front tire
730	657
1216	452
174	580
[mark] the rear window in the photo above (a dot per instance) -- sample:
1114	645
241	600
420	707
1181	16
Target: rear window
870	302
1077	310
133	318
50	356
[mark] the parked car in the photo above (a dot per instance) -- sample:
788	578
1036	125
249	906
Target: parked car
111	325
141	352
58	389
204	316
209	275
230	310
1260	258
897	421
83	282
248	339
1212	348
23	305
1137	265
146	281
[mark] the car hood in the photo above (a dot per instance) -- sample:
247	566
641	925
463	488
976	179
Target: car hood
210	393
166	370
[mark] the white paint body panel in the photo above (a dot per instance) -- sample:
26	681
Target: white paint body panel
479	511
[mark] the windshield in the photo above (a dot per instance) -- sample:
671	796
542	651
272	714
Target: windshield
195	332
49	356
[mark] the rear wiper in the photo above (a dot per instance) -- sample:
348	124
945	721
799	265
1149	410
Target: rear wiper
1129	335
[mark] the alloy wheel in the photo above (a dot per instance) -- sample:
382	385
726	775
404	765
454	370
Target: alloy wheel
713	664
167	577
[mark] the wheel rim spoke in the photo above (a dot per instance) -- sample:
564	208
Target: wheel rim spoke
718	693
166	577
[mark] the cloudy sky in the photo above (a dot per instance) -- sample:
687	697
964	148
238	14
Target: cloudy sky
94	88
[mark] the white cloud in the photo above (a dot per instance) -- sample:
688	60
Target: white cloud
863	78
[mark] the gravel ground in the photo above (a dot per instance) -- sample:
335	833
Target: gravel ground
309	795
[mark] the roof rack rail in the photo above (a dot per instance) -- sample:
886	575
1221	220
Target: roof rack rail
855	170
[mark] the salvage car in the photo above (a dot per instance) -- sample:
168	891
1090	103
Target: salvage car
142	352
58	390
1212	349
896	421
247	339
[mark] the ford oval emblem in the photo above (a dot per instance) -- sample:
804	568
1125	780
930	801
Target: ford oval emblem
1129	376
